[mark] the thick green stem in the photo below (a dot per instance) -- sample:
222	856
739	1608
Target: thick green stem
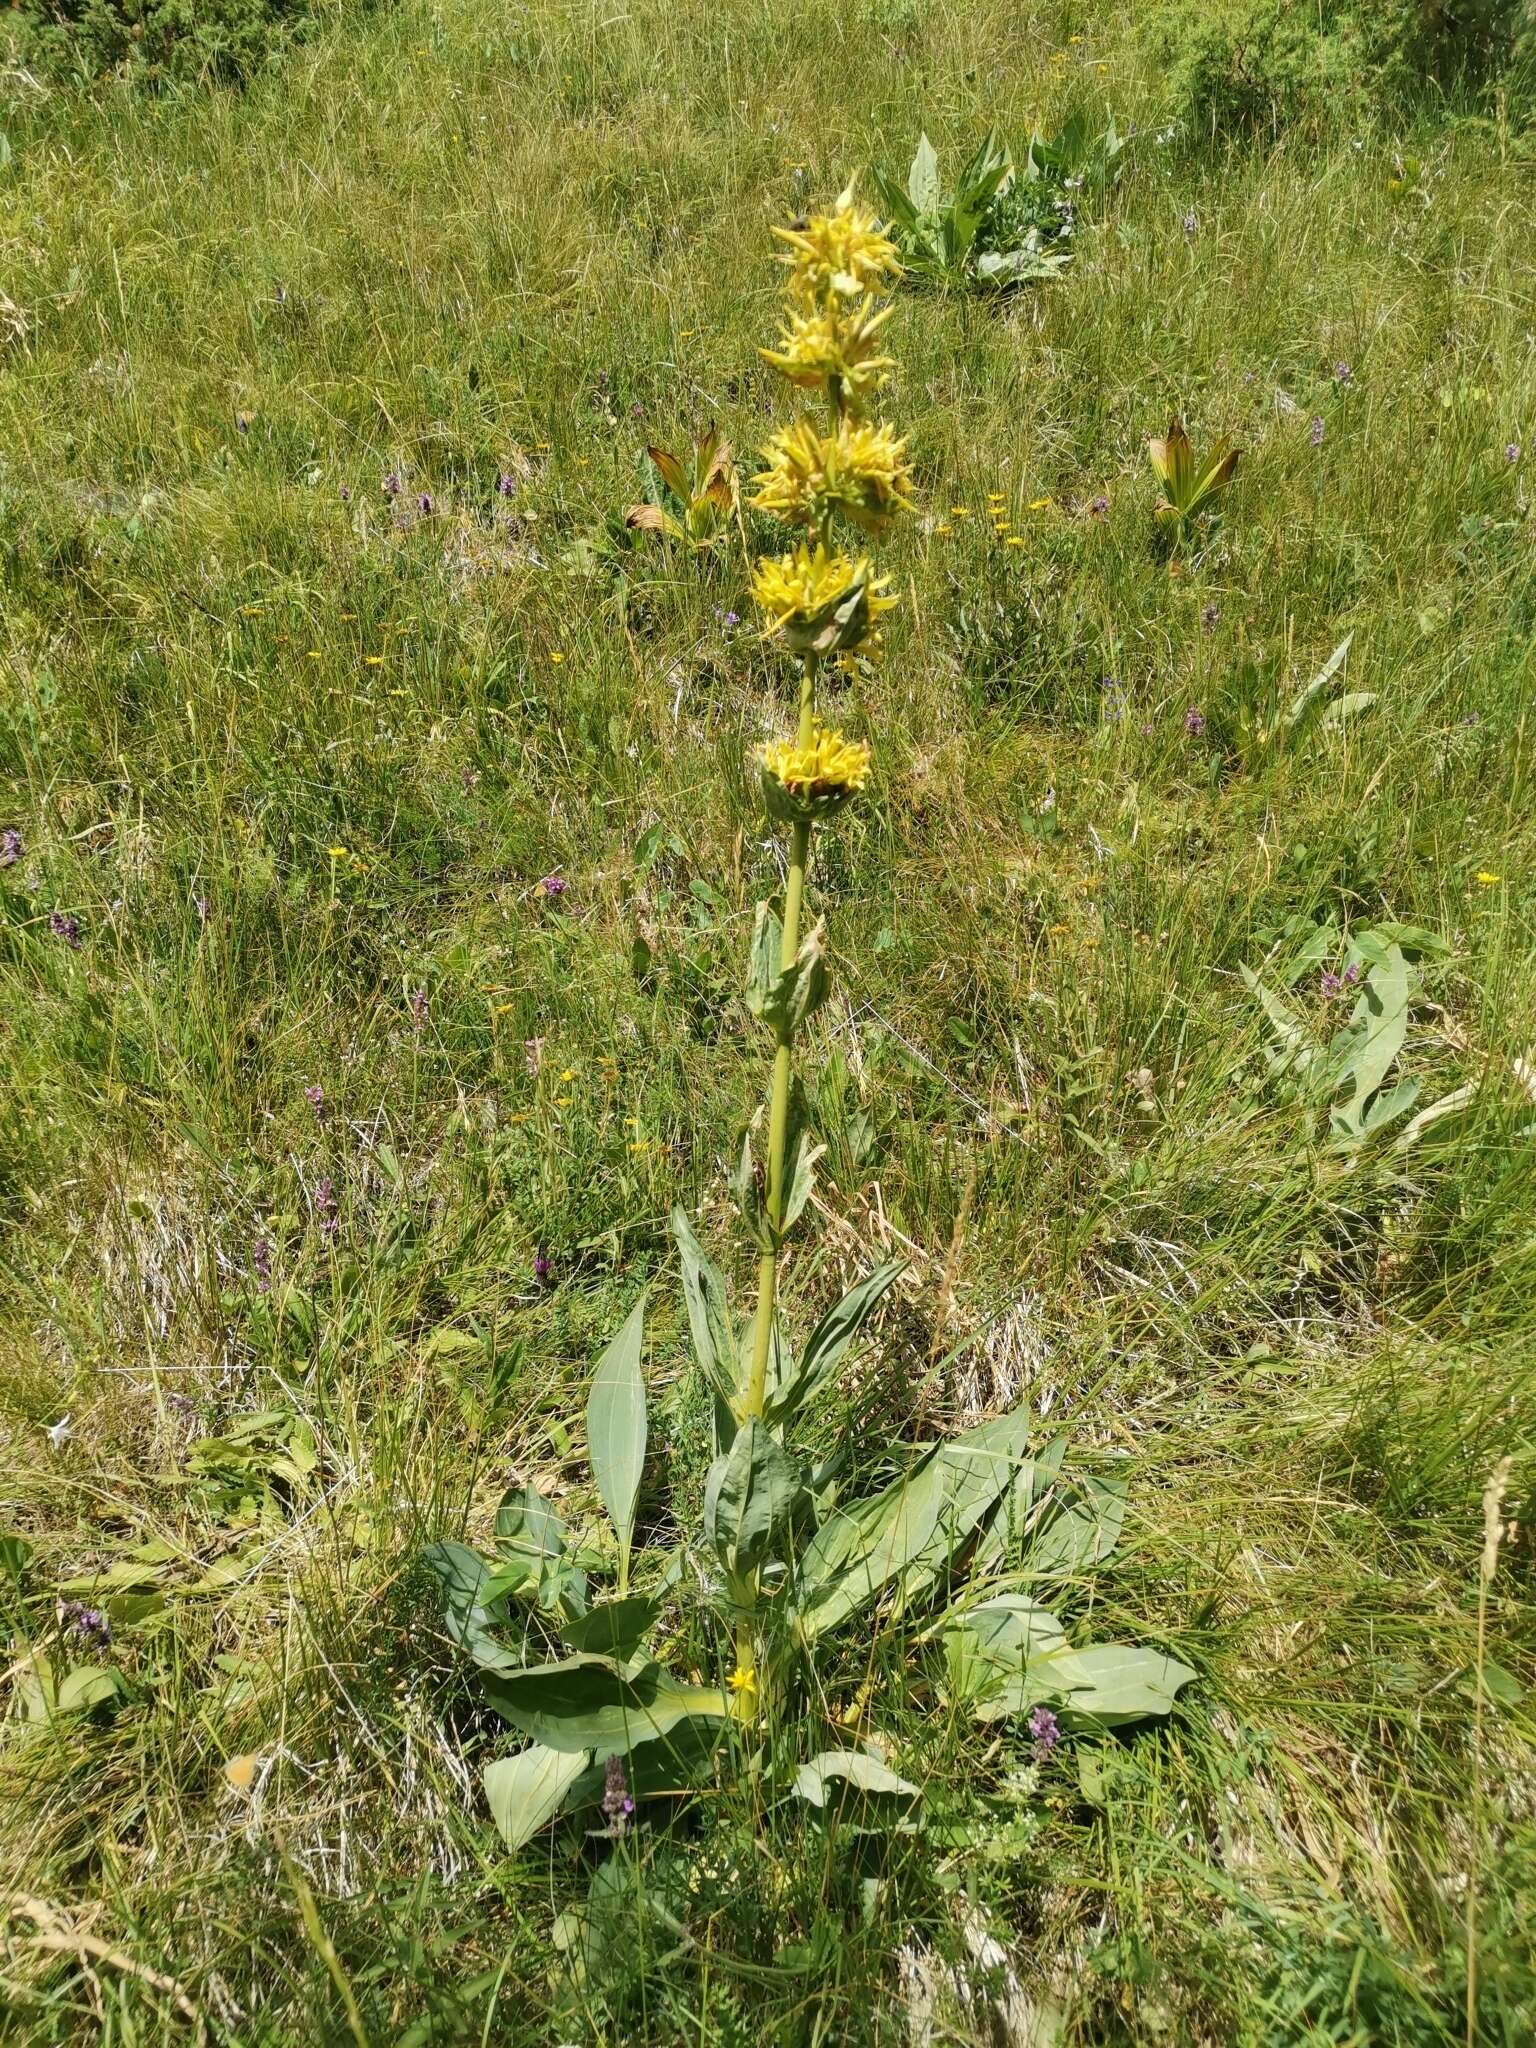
778	1129
783	1074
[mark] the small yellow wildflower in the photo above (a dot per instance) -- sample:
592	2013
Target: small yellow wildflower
839	255
338	853
314	654
373	661
562	1102
959	512
556	656
348	618
858	470
1038	504
946	528
1014	541
569	1074
1487	879
743	1682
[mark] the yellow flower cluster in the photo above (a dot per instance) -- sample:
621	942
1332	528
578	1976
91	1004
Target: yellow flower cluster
828	349
828	767
817	601
811	584
857	469
838	255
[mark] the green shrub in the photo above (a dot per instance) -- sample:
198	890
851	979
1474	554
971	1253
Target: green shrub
157	40
1237	67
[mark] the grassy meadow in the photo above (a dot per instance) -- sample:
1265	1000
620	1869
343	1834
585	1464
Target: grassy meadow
334	1143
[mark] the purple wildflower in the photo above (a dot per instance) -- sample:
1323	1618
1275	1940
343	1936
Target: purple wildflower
1316	435
733	618
392	485
1099	506
65	927
1210	618
1352	974
10	847
506	486
89	1624
242	422
1512	453
424	503
1194	722
554	886
1342	373
314	1095
325	1205
203	908
1191	226
419	1001
1331	984
637	411
1045	1730
261	1264
543	1266
346	494
618	1806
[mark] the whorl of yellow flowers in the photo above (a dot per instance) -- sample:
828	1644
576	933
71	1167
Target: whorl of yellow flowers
838	255
810	581
811	780
858	470
826	344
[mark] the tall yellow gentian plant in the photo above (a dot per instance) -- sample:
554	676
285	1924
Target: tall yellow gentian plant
605	1717
821	602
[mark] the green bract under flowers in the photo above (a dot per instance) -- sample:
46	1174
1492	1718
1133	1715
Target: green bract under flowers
787	1557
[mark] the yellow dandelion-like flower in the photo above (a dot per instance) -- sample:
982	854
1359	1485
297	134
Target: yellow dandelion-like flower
1487	877
812	781
858	470
839	255
824	346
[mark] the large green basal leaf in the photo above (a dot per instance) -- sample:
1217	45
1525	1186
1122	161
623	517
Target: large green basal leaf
525	1792
616	1427
912	1530
468	1609
594	1703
